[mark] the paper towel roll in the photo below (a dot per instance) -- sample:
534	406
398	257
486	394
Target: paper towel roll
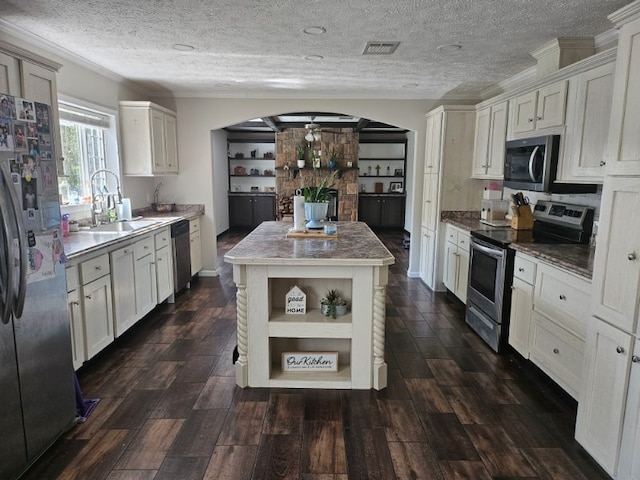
123	210
299	222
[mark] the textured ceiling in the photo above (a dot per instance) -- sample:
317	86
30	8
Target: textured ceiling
258	48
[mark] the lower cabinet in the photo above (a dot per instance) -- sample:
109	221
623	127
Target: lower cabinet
381	211
456	268
520	321
427	256
164	265
76	320
196	246
251	210
601	406
123	289
145	276
629	465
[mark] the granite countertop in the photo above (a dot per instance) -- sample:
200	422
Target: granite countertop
85	242
355	244
576	258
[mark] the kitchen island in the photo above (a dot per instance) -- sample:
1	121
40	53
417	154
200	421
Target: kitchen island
267	265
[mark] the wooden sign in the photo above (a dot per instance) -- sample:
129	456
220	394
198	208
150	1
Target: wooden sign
295	302
310	362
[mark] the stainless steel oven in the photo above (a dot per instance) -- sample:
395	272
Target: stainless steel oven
488	299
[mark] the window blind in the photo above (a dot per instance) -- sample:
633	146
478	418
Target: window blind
72	113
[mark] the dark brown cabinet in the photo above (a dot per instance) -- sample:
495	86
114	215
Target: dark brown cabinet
381	211
250	210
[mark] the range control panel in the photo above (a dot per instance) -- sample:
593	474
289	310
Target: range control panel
569	215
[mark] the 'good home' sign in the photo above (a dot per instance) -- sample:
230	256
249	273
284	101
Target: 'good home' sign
310	361
295	301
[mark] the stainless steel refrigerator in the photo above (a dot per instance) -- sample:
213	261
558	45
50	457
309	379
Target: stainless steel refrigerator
37	397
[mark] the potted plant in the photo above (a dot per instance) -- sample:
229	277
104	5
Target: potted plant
316	199
301	153
333	304
333	158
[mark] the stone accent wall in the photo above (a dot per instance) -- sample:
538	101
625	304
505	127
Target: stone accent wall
289	179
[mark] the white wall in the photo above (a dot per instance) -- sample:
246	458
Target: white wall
220	180
199	117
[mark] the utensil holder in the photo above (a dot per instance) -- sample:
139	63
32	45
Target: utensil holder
522	218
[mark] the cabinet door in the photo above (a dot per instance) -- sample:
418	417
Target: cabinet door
462	274
586	138
550	108
369	210
122	280
97	315
157	141
145	285
520	320
616	270
430	202
602	397
164	272
497	140
481	142
433	140
450	266
392	212
9	75
624	141
77	328
524	112
427	257
170	143
196	252
240	211
629	466
264	209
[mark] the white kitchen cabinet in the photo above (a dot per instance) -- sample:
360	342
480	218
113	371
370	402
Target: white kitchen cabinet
538	110
76	321
196	245
585	140
623	156
524	272
427	256
430	201
123	289
97	304
145	276
617	258
456	267
164	265
9	74
601	404
489	142
148	139
433	141
629	464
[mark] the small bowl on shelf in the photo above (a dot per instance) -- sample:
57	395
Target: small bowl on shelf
163	207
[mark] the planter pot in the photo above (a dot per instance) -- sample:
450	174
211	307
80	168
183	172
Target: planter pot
301	163
340	310
331	164
315	213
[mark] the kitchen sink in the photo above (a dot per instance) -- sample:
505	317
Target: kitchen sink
121	227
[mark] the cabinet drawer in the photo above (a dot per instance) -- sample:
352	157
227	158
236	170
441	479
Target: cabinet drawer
563	297
452	234
144	247
95	268
463	240
558	353
73	280
162	239
194	225
524	269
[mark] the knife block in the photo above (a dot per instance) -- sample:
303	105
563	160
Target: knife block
522	218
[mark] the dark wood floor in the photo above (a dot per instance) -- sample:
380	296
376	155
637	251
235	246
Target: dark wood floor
169	407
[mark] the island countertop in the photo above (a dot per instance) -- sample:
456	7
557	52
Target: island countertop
355	244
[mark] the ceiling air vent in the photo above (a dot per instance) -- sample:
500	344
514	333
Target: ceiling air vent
380	48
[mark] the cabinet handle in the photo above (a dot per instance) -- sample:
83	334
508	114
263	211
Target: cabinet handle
146	247
620	349
635	359
602	163
512	287
126	252
98	267
562	297
530	120
632	256
75	303
520	269
556	351
538	118
88	297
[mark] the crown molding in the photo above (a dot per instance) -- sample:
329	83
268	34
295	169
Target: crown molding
625	14
23	54
606	40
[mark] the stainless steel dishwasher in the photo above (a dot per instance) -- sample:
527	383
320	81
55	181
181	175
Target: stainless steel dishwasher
181	255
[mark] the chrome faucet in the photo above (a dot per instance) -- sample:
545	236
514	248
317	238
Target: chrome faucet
94	207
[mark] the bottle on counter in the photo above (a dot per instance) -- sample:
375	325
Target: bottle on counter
65	225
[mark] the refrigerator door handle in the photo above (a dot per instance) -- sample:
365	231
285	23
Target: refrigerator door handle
22	267
6	258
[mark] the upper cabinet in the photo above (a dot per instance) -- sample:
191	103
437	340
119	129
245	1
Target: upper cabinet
623	156
149	139
433	141
537	110
585	140
489	142
9	74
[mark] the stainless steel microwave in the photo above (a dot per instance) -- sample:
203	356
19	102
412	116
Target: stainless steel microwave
531	163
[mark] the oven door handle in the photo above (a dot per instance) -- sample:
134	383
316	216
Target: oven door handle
532	159
487	250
